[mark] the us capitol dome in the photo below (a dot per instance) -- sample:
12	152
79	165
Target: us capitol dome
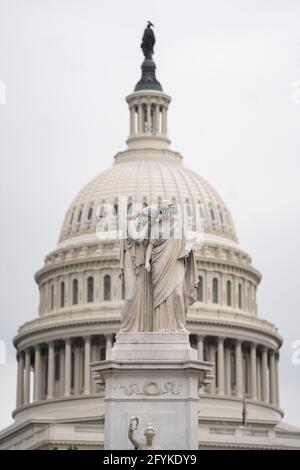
58	403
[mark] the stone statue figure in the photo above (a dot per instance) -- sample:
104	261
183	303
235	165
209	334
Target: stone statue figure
149	434
171	261
159	271
136	312
148	41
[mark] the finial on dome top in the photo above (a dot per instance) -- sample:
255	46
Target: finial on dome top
148	80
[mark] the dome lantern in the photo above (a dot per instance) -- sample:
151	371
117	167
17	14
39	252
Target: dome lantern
148	105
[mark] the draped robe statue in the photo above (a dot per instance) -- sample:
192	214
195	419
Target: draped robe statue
136	312
174	272
161	272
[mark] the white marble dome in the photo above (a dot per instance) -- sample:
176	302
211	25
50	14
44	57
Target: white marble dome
146	176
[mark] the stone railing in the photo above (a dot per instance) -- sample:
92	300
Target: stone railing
219	315
248	436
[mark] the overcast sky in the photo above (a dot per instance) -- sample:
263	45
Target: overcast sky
230	67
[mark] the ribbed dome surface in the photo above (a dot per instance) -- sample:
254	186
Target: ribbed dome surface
147	181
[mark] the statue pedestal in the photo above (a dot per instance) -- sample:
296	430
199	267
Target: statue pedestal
154	376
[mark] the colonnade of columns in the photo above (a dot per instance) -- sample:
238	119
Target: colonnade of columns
240	368
59	368
148	118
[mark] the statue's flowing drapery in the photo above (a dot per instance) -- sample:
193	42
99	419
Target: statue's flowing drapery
136	312
174	281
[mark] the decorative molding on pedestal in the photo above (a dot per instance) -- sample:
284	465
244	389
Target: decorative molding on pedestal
156	377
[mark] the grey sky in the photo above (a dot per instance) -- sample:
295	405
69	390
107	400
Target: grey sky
229	67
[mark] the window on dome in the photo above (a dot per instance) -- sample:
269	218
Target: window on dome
115	210
75	292
72	217
212	214
200	289
221	217
90	213
240	296
52	297
101	211
215	290
62	294
79	216
188	209
90	289
129	209
201	210
228	293
107	287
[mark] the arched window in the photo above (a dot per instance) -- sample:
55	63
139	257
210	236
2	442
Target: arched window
90	213
52	297
62	294
72	217
115	210
240	296
215	290
228	293
200	289
75	292
90	289
212	214
129	209
221	217
79	216
107	287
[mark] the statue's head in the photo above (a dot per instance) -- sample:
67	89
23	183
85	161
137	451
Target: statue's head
149	433
149	212
149	24
166	208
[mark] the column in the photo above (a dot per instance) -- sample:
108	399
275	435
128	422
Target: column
264	375
164	121
77	370
239	368
228	371
140	119
272	378
221	375
200	347
20	386
258	378
108	339
253	368
157	130
67	367
50	391
212	358
27	377
132	120
148	127
37	373
277	379
87	360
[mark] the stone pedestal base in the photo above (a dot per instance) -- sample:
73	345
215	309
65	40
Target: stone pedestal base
154	376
